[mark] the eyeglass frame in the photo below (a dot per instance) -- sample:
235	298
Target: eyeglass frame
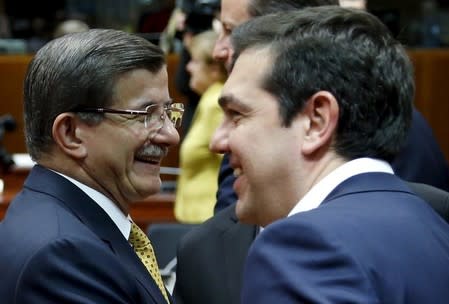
176	107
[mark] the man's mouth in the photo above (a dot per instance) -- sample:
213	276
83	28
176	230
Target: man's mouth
151	154
149	160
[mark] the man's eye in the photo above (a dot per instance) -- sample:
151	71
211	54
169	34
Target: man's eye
134	117
227	30
233	115
140	118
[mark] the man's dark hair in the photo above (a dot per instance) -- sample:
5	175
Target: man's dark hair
348	53
264	7
79	70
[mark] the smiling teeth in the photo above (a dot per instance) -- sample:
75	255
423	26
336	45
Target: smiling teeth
237	172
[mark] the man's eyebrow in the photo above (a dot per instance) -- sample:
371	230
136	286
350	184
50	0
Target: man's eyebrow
153	102
225	100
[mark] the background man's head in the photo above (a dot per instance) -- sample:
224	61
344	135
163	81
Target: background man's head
235	12
331	83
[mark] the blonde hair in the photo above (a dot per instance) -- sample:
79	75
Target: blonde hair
201	47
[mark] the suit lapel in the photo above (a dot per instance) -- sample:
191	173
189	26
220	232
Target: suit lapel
94	217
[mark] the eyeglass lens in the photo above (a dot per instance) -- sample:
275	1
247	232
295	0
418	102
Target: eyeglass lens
155	118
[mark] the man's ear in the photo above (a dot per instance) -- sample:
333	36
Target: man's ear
216	73
322	112
66	131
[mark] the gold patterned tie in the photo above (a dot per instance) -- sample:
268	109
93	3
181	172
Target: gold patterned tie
142	246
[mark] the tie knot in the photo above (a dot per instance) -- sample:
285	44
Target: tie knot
137	238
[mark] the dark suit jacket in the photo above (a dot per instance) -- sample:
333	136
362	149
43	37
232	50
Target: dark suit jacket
211	257
420	160
59	246
371	241
210	260
225	193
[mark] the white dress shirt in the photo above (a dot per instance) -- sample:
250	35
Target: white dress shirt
122	221
316	195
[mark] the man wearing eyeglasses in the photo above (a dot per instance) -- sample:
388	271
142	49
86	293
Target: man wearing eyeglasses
98	120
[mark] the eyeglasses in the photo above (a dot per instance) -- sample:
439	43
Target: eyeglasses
153	116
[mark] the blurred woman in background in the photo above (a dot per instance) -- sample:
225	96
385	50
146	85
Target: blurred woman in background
197	182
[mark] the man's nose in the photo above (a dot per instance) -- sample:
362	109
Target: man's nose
167	135
219	141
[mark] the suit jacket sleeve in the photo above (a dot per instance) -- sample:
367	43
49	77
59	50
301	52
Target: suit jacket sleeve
295	262
74	271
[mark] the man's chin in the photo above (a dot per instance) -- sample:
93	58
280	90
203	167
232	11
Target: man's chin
243	212
152	187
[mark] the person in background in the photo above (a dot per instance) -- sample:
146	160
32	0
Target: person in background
190	17
5	29
196	185
169	41
98	120
310	138
430	27
70	26
153	16
360	4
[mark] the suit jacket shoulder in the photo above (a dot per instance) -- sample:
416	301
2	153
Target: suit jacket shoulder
57	245
362	245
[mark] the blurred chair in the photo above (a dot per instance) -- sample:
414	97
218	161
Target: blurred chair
438	199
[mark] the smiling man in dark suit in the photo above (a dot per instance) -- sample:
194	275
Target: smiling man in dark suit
213	274
310	137
98	120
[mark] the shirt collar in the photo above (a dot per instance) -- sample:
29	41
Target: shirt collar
316	195
122	221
